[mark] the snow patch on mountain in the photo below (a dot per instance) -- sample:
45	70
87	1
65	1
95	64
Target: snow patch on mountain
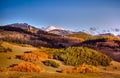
50	28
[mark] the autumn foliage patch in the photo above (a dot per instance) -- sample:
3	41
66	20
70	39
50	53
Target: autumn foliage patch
76	56
26	67
84	68
35	56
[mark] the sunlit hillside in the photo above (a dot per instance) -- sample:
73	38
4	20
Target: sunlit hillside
51	62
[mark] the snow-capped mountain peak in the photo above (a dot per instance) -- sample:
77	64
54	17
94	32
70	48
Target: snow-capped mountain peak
49	28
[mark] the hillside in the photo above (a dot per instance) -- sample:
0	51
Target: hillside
87	36
40	38
10	59
105	43
83	35
110	47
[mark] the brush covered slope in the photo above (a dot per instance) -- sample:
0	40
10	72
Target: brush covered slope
106	43
110	46
79	55
38	69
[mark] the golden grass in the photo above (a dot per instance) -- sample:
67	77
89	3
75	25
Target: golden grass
57	75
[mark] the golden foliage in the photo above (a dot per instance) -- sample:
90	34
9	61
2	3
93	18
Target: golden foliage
80	39
26	67
3	69
81	69
33	30
36	56
111	38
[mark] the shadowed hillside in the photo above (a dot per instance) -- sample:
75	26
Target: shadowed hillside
40	38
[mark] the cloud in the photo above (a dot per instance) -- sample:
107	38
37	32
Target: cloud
92	28
116	30
104	31
108	30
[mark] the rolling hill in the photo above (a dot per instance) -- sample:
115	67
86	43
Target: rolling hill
107	46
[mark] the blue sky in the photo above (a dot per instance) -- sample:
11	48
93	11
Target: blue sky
77	15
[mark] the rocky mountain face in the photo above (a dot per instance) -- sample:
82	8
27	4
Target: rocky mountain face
24	26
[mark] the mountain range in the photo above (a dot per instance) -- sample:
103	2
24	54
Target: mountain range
53	29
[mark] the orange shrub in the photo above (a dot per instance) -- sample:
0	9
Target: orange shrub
67	70
81	69
36	56
26	67
41	54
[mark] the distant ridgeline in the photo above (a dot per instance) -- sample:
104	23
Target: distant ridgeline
24	26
